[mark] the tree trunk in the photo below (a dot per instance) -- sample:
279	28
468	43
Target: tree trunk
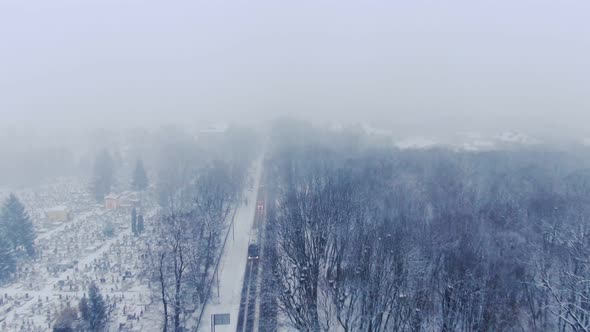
163	289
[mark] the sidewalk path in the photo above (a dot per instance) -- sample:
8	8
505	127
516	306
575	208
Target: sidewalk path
233	263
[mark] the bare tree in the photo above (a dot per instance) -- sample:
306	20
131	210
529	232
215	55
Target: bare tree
169	256
567	282
215	195
187	243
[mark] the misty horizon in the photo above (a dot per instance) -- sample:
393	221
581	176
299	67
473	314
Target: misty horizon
266	166
415	67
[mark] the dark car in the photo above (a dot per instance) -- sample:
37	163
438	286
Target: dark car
253	251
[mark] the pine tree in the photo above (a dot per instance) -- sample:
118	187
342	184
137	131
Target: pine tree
84	308
103	175
93	310
108	230
66	321
140	179
140	225
7	261
134	221
17	225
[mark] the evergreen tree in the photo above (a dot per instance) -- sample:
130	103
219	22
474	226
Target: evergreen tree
140	179
103	175
134	221
17	224
108	230
140	225
66	321
7	261
93	310
84	308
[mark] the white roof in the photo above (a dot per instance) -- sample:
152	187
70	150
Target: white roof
220	128
58	208
416	143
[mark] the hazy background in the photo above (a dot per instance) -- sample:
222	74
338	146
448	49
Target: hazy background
415	66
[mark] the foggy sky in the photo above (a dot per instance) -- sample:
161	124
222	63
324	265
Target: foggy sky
416	65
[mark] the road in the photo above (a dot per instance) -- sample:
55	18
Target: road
226	295
258	308
247	315
241	293
249	303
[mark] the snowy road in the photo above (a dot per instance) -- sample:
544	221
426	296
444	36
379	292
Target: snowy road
233	263
247	316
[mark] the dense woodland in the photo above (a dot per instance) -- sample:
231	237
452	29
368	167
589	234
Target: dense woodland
359	235
371	238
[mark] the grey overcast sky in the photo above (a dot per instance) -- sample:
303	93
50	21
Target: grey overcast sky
418	65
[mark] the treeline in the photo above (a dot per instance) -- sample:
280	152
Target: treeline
380	239
199	183
166	159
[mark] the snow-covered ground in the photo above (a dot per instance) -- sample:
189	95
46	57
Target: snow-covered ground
71	255
415	143
233	262
468	141
74	253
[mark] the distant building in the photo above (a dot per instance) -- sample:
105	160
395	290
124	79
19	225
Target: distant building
129	199
124	200
111	202
214	130
59	213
